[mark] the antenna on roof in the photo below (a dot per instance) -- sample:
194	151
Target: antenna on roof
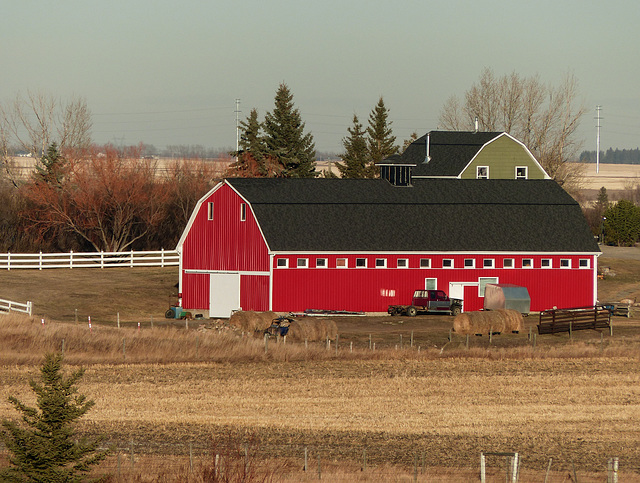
476	123
428	158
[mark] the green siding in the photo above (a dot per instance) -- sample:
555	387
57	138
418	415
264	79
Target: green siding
502	156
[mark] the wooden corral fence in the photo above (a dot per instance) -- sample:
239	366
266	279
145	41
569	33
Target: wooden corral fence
568	320
7	306
40	261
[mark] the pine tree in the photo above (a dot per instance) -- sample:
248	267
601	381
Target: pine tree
380	139
50	169
252	159
356	156
251	139
48	449
285	138
622	224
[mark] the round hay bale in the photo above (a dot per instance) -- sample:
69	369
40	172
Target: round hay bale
250	321
313	329
483	322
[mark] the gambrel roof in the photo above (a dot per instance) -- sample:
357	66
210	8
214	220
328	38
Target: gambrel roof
445	153
441	215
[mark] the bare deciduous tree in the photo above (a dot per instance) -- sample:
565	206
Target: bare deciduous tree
543	117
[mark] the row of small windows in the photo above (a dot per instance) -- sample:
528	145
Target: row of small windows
522	172
426	263
243	211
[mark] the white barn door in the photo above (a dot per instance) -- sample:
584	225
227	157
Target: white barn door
224	294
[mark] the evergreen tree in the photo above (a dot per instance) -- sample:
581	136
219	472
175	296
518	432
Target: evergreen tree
622	223
356	156
48	449
251	139
252	159
380	139
285	138
50	169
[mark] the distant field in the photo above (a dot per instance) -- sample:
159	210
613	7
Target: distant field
611	176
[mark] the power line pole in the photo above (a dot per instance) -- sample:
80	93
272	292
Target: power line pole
598	108
237	111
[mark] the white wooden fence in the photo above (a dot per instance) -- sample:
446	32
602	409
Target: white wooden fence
40	261
9	306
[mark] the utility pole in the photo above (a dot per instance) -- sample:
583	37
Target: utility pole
237	111
598	108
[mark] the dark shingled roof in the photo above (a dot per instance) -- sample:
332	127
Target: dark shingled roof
450	152
432	215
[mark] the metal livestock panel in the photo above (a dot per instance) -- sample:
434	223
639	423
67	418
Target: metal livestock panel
230	240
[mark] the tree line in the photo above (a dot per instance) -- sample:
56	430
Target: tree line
615	223
612	156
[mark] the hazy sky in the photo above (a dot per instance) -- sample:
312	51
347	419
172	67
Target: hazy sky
167	73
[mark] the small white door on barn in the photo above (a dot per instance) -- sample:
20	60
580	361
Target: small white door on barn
224	294
456	290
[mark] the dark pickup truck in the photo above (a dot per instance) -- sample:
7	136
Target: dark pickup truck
427	301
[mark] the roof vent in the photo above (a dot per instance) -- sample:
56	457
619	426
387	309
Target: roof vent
476	124
427	142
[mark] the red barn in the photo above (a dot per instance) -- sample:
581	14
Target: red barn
360	245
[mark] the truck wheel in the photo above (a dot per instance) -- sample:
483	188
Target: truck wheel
456	310
412	311
169	314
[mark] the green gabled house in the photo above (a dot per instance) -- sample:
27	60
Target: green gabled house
462	155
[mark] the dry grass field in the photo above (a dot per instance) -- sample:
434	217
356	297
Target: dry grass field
173	391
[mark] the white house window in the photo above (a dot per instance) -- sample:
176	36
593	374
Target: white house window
403	263
522	172
282	263
507	263
243	212
210	210
469	263
482	172
381	263
482	284
488	263
341	263
430	283
585	263
447	263
321	263
546	263
425	263
527	263
303	263
565	263
361	263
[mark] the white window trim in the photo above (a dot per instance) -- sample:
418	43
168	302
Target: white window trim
530	266
286	263
450	260
210	211
243	212
584	260
565	260
478	172
526	172
548	266
492	263
346	263
384	263
305	263
482	288
326	263
361	266
406	263
428	263
513	264
435	283
473	263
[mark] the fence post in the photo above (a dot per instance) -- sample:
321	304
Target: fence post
319	468
266	342
546	477
162	257
40	261
411	339
415	468
190	457
483	471
70	259
30	308
132	460
131	258
369	341
62	346
364	459
514	469
8	260
306	461
101	258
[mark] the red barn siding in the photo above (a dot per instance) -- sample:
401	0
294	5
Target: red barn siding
254	292
195	291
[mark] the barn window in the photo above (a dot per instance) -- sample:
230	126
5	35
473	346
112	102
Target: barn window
210	210
243	212
546	263
482	172
584	263
565	263
507	263
403	263
341	263
469	263
321	263
527	263
381	263
430	283
282	263
425	263
488	263
482	284
303	263
361	263
521	172
447	263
